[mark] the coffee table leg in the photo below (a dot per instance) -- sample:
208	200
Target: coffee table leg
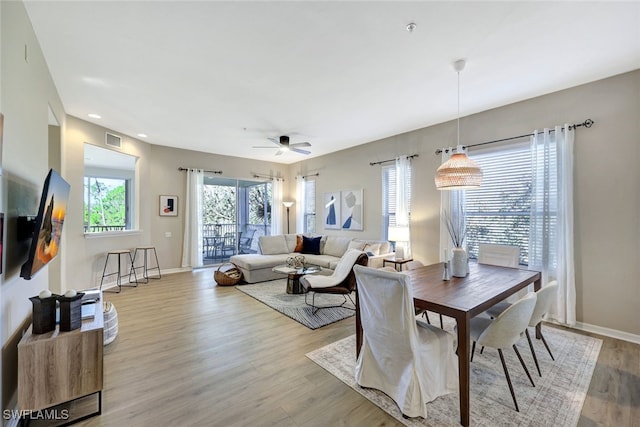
293	284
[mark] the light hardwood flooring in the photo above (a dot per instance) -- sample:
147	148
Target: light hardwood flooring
191	353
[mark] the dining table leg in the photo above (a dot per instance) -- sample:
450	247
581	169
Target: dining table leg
464	367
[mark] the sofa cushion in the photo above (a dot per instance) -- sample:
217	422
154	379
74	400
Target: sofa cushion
311	245
325	261
272	245
291	240
336	246
257	261
357	245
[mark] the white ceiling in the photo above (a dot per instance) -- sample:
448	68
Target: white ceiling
221	77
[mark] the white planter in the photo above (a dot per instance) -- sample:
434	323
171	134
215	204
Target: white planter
459	263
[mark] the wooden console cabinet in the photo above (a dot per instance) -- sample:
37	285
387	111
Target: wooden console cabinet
57	367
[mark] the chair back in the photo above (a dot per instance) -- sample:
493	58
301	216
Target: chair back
546	296
350	281
385	301
500	255
505	330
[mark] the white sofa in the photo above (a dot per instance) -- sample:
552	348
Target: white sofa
274	250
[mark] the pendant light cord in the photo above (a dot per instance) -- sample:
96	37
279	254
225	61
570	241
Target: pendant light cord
458	107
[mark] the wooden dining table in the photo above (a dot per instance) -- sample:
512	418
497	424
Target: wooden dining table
463	298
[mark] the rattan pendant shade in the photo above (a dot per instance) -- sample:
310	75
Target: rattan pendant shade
458	173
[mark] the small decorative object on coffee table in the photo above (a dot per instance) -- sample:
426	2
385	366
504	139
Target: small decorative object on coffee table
294	275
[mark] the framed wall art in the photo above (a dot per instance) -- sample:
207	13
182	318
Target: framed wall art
331	212
351	213
168	205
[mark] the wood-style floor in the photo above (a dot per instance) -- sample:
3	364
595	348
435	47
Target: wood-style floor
191	353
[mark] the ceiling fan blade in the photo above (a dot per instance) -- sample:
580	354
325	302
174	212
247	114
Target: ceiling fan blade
274	140
298	150
279	152
263	146
300	144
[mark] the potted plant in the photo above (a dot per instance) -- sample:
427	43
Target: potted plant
457	231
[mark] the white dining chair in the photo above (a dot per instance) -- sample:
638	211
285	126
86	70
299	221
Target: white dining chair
546	296
504	331
502	255
407	359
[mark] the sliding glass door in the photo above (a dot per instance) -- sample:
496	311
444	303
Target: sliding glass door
234	214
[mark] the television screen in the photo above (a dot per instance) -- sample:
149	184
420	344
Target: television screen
47	228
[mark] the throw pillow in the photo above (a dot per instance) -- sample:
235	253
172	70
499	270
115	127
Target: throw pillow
311	245
372	247
298	247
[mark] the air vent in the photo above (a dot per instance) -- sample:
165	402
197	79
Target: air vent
113	140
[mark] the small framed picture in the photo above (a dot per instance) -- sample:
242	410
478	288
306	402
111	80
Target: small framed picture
168	205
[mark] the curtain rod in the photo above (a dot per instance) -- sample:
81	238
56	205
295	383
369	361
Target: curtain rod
187	169
311	174
390	160
587	123
257	175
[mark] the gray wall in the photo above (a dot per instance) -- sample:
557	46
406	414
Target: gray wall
607	181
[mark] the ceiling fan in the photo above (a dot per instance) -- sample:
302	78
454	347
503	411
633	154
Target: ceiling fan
283	145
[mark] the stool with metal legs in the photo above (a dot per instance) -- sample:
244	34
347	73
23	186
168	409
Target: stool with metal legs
145	266
118	254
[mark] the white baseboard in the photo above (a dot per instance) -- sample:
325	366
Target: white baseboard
125	279
612	333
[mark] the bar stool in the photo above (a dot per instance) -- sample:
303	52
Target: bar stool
145	266
119	253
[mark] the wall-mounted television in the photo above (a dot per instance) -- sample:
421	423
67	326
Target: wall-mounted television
47	226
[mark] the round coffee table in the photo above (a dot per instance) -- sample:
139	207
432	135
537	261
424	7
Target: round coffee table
294	275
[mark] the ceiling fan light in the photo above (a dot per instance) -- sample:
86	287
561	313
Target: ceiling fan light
458	173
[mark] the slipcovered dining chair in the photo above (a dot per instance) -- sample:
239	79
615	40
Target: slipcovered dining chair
407	359
341	282
412	265
545	297
504	331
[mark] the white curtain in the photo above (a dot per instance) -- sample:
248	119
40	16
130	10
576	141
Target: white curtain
451	204
300	204
192	245
403	190
551	223
277	207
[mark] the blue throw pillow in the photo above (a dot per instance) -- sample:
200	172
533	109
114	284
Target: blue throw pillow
311	245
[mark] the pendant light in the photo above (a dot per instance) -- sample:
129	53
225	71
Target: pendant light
459	172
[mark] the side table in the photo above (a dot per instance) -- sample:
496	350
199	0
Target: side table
397	262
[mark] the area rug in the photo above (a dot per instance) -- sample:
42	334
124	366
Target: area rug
556	400
273	294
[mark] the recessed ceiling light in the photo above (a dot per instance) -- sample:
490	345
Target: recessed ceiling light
94	116
143	135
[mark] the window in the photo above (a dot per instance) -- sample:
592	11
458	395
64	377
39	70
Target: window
309	206
389	198
499	211
109	179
